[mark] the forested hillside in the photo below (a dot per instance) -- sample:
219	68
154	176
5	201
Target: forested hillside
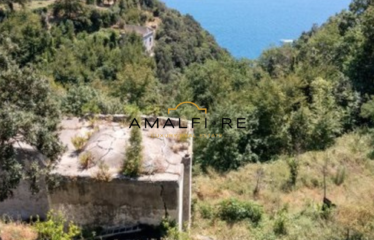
68	58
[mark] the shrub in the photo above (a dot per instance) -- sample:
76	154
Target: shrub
89	134
79	142
340	176
134	153
327	115
103	173
169	230
179	147
77	97
92	122
53	228
86	160
236	146
259	175
121	24
310	181
233	210
158	165
182	136
280	224
294	170
206	211
370	155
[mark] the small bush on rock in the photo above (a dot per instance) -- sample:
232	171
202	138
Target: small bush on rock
86	160
103	173
79	142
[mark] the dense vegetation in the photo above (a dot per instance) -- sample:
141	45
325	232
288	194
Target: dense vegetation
70	59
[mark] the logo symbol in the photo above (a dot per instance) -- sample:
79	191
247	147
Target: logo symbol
201	109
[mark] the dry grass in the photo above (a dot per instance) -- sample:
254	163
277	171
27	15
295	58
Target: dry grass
152	133
17	231
89	134
159	166
92	122
79	142
182	136
103	173
353	195
35	4
86	160
178	147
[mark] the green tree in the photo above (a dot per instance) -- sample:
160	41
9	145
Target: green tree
84	99
137	85
224	147
367	109
359	6
278	61
211	82
326	118
134	151
29	115
272	106
362	59
68	8
28	42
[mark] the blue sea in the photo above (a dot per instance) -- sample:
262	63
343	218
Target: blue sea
247	27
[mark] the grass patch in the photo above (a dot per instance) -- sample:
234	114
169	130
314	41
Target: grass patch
103	173
349	181
79	142
39	4
17	231
86	160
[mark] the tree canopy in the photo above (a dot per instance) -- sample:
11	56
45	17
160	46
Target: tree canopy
29	114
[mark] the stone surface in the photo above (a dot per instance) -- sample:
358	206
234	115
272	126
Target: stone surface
107	143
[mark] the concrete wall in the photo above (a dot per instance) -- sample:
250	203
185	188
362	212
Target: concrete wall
89	202
187	191
24	204
119	202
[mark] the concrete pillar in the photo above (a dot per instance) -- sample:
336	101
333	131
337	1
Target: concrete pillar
187	190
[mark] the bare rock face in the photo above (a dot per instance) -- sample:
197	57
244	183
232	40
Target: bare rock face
108	145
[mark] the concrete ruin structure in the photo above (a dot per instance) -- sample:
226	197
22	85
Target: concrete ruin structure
162	190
